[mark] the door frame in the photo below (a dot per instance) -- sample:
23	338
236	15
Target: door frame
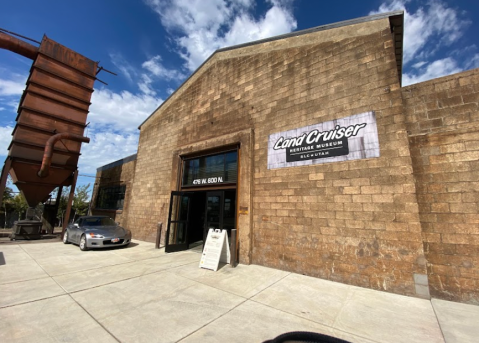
244	139
181	246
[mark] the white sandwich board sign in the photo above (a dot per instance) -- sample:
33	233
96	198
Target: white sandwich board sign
216	250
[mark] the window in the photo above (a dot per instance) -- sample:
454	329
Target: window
111	198
212	169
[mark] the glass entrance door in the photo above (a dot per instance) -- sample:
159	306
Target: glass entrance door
177	232
192	214
214	216
220	211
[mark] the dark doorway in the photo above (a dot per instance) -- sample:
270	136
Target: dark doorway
197	221
193	213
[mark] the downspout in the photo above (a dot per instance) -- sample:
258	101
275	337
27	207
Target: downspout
18	46
47	155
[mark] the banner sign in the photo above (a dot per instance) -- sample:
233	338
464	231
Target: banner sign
345	139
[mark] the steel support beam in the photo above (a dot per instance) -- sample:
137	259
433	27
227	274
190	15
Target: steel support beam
70	201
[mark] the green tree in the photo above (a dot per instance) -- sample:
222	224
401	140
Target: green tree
19	204
80	201
7	196
6	204
62	207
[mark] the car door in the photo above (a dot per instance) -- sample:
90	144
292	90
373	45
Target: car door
74	228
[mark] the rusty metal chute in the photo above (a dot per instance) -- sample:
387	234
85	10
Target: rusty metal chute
47	156
16	45
53	109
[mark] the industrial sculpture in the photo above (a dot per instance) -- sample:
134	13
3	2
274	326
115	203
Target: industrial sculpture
51	121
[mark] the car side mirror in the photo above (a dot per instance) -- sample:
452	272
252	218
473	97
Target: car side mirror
76	225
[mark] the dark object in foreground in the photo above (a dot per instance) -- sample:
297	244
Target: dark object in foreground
27	229
301	336
96	232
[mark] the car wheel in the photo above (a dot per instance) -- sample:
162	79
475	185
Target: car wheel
83	246
65	237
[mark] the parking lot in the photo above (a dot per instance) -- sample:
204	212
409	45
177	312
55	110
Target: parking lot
51	292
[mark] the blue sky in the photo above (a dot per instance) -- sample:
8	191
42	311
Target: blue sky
154	45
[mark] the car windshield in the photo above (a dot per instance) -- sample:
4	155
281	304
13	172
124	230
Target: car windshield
98	221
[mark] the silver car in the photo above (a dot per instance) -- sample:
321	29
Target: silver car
96	232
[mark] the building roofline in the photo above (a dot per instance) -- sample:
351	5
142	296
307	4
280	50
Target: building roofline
315	29
397	28
117	163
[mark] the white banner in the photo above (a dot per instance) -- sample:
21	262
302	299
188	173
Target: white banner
345	139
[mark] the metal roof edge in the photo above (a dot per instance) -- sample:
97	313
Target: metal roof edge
316	29
288	35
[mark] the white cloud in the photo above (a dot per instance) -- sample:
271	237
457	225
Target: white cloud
106	147
114	118
419	64
145	85
151	70
120	111
428	32
473	62
433	70
435	21
5	139
201	27
12	84
123	66
155	67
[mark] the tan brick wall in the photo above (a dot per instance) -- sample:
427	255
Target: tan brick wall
444	104
119	175
355	222
442	118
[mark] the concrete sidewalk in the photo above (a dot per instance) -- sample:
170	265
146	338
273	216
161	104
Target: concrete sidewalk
56	293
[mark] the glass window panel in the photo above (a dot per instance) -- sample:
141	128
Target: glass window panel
184	208
218	167
181	233
111	197
191	171
213	211
177	233
231	166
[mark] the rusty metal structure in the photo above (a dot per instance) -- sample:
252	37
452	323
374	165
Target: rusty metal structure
51	121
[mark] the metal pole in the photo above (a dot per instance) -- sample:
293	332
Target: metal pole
159	227
69	204
233	250
57	206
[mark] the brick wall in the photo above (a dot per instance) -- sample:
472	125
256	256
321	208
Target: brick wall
442	119
118	175
355	222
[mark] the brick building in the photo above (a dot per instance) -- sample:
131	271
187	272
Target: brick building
308	145
112	190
